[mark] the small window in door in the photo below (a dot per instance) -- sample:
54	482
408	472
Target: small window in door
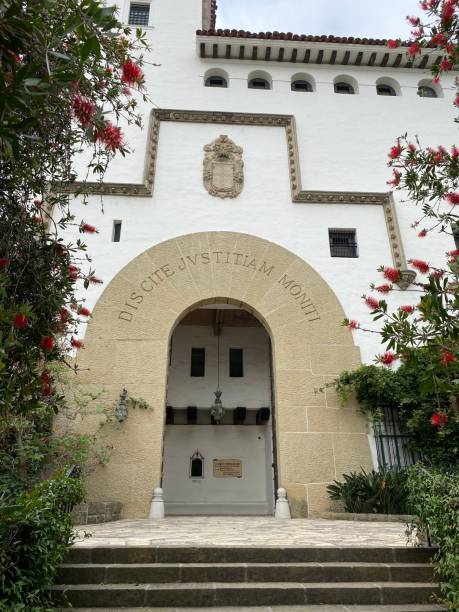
236	366
197	465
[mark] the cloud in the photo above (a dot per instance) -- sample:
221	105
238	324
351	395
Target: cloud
363	18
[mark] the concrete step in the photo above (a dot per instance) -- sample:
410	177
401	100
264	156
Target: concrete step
242	572
235	554
244	594
338	608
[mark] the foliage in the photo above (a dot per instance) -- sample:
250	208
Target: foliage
434	497
67	69
381	492
35	532
379	389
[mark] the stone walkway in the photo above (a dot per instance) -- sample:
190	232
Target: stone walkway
242	531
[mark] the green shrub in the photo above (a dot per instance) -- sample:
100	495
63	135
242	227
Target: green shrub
35	533
434	497
381	492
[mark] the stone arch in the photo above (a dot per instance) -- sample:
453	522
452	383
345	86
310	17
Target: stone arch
127	346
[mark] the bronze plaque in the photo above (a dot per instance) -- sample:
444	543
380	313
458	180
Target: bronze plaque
227	468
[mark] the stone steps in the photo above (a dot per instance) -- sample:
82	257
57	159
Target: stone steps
145	576
243	572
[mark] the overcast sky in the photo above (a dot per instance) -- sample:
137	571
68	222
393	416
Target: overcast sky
363	18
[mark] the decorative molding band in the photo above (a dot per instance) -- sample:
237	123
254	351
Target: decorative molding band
299	196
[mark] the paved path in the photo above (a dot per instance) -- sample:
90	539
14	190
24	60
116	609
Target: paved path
242	531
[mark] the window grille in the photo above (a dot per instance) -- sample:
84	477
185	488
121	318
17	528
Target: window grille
392	444
343	243
385	90
198	361
427	92
236	363
216	81
301	86
343	88
139	14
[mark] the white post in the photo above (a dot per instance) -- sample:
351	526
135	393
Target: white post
157	504
282	506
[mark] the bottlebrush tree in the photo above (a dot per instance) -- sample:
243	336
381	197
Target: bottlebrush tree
67	70
426	330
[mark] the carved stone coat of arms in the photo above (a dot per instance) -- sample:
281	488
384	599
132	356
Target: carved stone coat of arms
223	168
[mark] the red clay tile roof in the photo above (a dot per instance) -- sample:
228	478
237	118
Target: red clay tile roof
345	40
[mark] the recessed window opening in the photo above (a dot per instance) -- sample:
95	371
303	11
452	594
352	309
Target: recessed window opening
116	235
385	90
216	81
259	84
139	14
198	361
343	243
427	92
343	88
455	231
236	367
301	85
197	465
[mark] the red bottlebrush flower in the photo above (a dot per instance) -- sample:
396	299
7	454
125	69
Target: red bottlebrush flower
37	203
393	44
438	273
395	182
411	148
452	198
439	419
372	302
65	316
95	280
447	357
78	344
414	49
422	233
45	377
73	272
395	151
456	100
83	311
436	79
438	40
454	152
392	274
20	321
384	288
85	228
414	21
110	136
446	65
38	219
4	262
448	11
84	110
47	343
454	253
353	324
108	70
407	309
131	73
420	265
46	390
387	358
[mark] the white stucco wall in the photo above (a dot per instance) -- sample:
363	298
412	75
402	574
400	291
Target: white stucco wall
343	143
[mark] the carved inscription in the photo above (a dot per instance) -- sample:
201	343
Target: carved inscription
189	261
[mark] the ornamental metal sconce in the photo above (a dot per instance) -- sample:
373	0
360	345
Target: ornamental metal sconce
121	410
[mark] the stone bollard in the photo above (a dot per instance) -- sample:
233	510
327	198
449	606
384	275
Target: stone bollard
157	504
282	507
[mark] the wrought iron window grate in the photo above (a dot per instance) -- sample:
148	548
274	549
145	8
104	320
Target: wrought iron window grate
343	243
139	14
392	444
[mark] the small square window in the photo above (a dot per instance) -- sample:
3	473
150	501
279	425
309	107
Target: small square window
139	14
236	367
343	243
198	361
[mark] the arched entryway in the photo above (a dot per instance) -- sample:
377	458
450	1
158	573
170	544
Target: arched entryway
218	450
127	346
